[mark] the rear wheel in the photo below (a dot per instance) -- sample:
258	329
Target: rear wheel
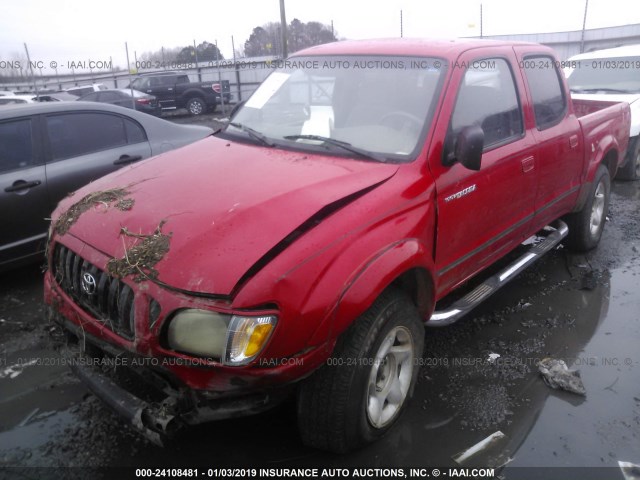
586	226
631	170
196	106
364	387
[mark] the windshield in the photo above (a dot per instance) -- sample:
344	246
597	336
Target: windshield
609	75
376	105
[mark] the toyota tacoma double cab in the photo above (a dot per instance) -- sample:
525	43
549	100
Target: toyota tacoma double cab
174	90
360	194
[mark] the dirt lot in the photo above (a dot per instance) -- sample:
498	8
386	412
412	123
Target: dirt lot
584	309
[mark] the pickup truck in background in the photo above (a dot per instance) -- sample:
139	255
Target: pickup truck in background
612	75
303	249
174	90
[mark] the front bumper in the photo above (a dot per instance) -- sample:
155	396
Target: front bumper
167	405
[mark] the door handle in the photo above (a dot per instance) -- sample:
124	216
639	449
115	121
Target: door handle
22	185
124	159
528	164
573	141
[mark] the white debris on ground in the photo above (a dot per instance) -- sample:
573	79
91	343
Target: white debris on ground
12	371
556	374
482	445
493	357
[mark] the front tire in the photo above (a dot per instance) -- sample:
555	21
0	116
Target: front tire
362	390
196	106
586	226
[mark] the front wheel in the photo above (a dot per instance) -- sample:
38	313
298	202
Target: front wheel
586	226
364	387
196	106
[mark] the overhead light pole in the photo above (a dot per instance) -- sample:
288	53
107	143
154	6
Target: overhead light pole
283	30
584	24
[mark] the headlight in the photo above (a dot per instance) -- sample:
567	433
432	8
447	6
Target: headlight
231	339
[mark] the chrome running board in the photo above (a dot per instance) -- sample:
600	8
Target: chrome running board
487	288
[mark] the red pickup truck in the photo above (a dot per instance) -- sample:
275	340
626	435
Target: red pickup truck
360	194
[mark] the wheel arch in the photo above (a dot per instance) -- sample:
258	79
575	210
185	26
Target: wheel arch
404	265
608	156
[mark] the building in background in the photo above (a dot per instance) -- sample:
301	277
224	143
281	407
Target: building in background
567	44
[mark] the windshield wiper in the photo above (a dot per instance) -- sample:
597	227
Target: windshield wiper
339	143
600	89
252	133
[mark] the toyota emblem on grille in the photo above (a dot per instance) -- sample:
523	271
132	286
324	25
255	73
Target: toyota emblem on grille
88	284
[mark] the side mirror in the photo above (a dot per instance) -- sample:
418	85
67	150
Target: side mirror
468	148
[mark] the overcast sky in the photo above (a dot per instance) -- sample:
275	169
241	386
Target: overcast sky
64	30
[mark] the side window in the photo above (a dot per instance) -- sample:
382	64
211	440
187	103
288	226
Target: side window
92	97
169	80
549	102
76	134
182	79
135	133
11	101
16	145
109	96
141	83
155	82
488	98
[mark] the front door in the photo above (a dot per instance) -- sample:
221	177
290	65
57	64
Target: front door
483	214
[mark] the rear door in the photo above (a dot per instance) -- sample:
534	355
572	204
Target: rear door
24	202
163	87
558	134
85	146
483	214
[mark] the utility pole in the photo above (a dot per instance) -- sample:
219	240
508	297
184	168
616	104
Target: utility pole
283	30
584	24
480	20
401	32
33	77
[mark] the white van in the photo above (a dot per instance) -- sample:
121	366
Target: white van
612	75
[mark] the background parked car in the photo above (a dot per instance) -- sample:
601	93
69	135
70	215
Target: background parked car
84	89
122	97
13	99
57	97
48	150
611	75
175	90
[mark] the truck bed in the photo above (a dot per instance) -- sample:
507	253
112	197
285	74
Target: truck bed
583	108
601	124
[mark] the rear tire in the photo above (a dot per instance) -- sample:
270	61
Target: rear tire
586	226
362	390
196	106
631	170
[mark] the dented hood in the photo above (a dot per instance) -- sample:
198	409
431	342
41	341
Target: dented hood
224	204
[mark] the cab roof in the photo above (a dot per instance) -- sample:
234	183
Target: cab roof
448	49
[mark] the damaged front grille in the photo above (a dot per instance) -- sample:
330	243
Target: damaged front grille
104	297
